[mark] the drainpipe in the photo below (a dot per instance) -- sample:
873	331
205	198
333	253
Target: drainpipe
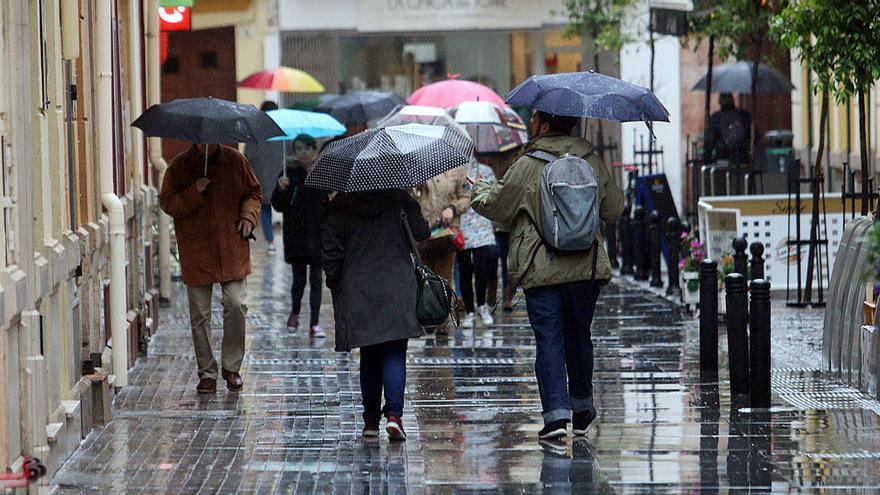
136	96
109	199
136	103
154	145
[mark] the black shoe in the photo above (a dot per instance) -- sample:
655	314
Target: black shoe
554	429
581	422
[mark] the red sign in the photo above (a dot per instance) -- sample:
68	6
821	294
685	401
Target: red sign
174	19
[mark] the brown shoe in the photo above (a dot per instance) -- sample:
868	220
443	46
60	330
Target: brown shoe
293	321
233	381
207	386
507	300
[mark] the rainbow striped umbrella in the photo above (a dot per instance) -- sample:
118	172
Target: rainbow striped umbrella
283	79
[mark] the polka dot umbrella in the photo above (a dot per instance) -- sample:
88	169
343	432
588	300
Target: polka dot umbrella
396	157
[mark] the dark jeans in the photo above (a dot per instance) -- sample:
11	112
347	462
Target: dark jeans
383	366
475	271
502	243
298	288
561	316
266	222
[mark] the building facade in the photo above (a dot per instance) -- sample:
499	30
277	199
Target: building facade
79	269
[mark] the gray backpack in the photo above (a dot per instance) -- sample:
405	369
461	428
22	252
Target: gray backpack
569	202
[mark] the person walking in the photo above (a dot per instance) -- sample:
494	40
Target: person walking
267	160
561	288
478	258
370	275
303	209
214	216
443	199
728	139
499	163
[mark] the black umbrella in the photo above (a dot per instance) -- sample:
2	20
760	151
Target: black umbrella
737	78
208	121
396	157
589	94
361	106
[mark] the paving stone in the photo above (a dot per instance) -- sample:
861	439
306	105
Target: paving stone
472	413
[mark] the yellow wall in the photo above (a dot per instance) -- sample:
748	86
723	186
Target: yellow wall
250	21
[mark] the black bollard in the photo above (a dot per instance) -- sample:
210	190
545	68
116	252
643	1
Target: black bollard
611	242
626	228
757	262
737	333
708	321
740	258
640	244
759	345
654	232
673	254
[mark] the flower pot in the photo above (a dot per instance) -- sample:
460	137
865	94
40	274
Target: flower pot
689	296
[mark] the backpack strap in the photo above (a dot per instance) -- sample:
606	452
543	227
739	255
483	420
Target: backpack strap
543	155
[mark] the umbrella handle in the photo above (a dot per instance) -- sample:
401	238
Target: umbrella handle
206	160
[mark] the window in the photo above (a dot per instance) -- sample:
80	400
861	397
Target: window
171	65
208	60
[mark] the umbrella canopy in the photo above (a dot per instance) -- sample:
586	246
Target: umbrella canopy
417	114
737	78
452	92
589	94
397	157
361	106
208	121
489	127
283	79
296	122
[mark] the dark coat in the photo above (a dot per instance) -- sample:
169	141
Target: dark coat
206	224
304	209
369	270
729	130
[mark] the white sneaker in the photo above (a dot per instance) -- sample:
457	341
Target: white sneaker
317	332
467	321
486	315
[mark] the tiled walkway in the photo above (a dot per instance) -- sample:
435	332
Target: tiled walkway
472	414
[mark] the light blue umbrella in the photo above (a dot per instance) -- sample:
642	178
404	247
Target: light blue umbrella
296	122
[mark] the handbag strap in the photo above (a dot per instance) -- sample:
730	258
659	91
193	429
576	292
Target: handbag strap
413	247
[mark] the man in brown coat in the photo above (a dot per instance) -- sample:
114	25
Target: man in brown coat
214	216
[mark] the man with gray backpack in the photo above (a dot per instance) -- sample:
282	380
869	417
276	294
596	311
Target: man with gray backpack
556	195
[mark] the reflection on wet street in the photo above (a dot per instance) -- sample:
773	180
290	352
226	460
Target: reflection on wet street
472	414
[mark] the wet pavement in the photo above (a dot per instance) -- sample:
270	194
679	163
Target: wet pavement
472	414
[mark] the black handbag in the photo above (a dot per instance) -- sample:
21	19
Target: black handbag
435	299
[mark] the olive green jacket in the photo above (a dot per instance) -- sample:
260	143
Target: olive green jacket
517	198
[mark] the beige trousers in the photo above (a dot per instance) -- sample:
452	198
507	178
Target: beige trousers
234	311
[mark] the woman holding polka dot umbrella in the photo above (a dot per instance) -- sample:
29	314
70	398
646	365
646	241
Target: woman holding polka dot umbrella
366	254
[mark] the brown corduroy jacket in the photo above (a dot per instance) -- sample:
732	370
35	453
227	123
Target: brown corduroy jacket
211	248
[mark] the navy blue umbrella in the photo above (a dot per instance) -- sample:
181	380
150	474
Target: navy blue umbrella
589	94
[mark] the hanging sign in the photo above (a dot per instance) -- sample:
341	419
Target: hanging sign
175	19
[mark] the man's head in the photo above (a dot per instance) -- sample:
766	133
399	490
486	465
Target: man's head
268	105
543	123
726	100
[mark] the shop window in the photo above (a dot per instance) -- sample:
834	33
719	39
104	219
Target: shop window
208	60
171	65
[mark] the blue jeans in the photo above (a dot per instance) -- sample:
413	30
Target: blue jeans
266	222
561	316
383	366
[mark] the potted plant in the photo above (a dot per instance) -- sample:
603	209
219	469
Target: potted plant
725	268
693	253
